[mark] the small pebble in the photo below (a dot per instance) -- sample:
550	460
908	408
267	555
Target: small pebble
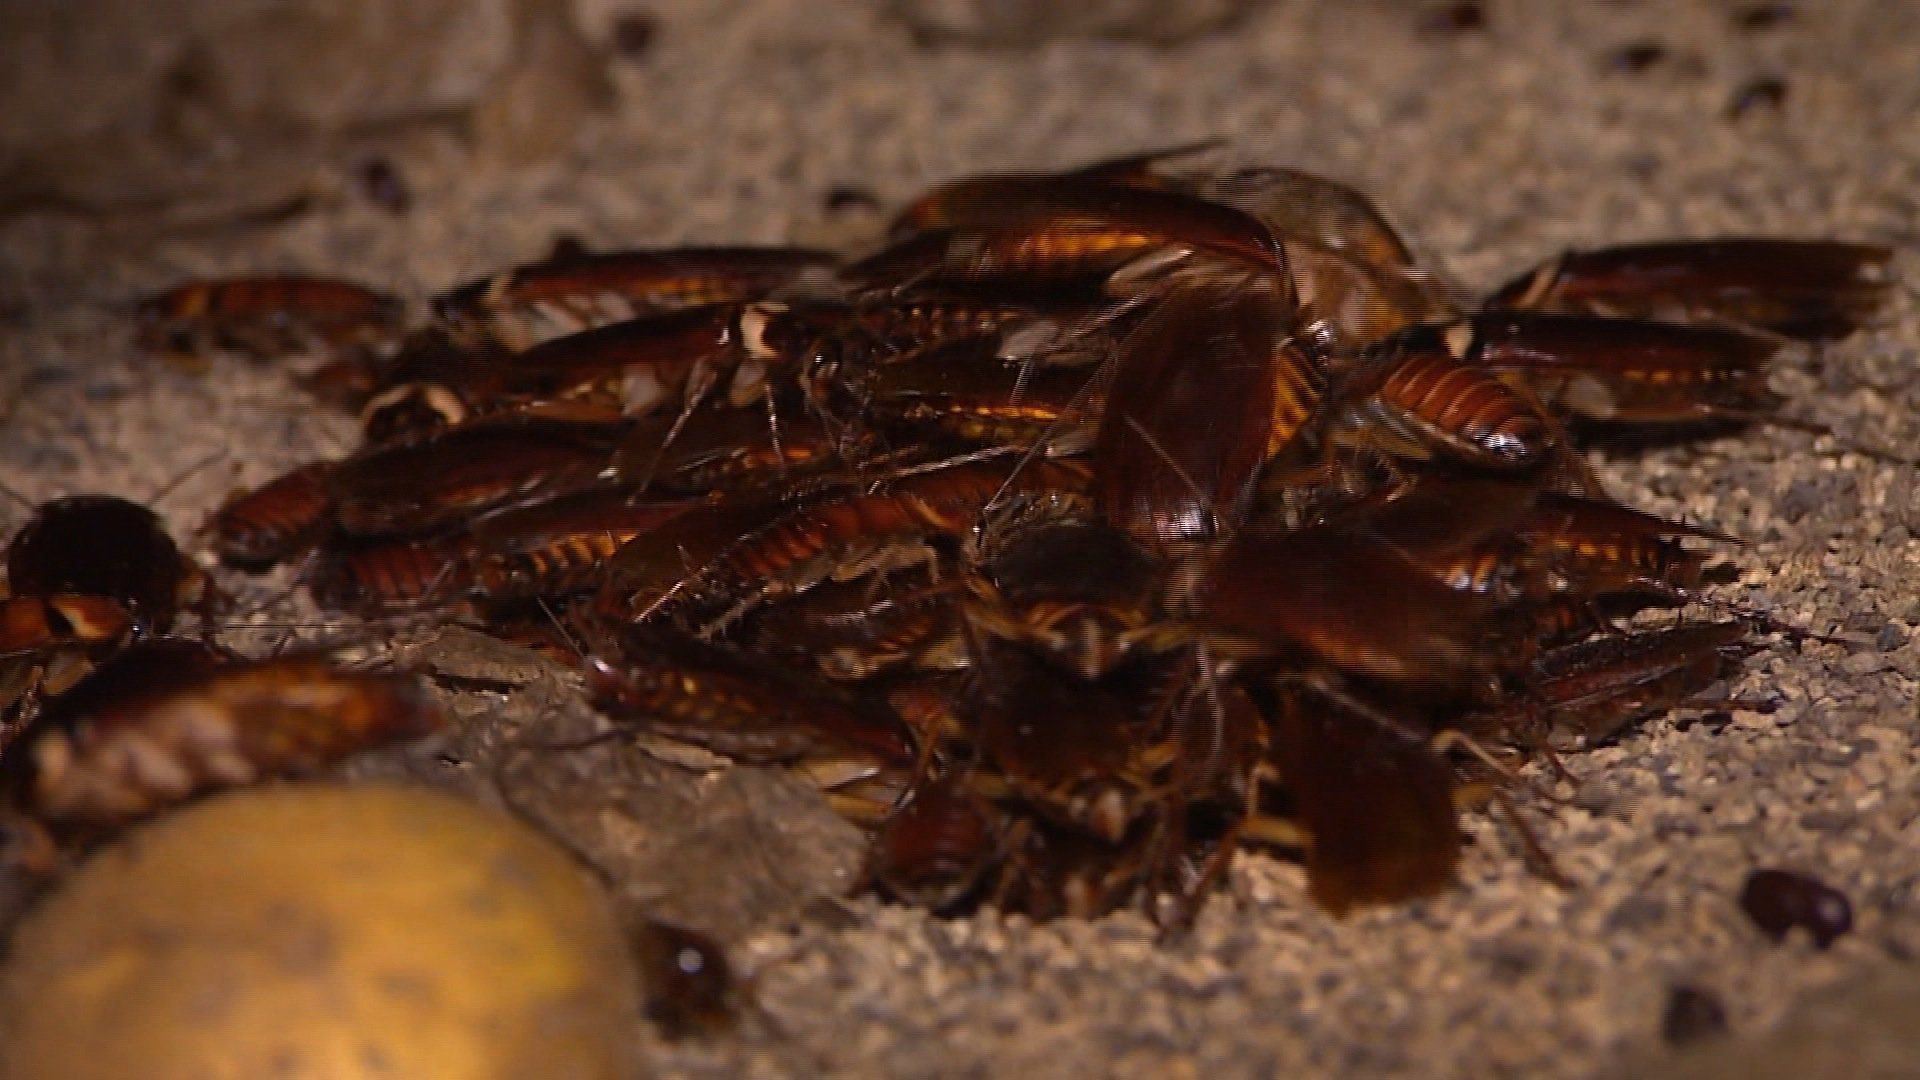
1692	1014
1779	900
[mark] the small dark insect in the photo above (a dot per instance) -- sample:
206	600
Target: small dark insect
1443	20
634	33
1755	18
1761	92
101	545
1779	900
688	984
384	187
1634	57
1692	1014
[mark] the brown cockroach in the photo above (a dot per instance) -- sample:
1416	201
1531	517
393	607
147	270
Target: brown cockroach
147	749
936	849
1080	593
715	449
580	291
420	487
1616	370
1419	405
856	629
1810	289
277	520
1063	227
964	389
267	315
105	546
1375	800
560	546
1204	390
1363	608
837	537
669	683
387	576
1588	691
30	624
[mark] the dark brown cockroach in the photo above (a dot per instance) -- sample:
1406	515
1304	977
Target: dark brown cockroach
685	978
233	725
1588	691
560	546
420	487
1363	608
1204	391
668	683
1419	405
267	315
937	849
638	366
375	577
1598	547
1069	225
729	449
1809	289
1780	900
858	629
1375	800
530	304
1080	593
1075	752
838	537
965	390
101	545
1616	370
277	520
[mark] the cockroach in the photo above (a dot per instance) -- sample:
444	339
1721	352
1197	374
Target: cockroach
1204	391
1364	609
993	226
1376	804
1418	406
857	629
559	546
1780	900
374	577
104	546
937	849
668	683
1809	289
965	390
277	520
1080	593
420	487
530	304
30	624
1593	689
267	315
837	537
233	725
1617	370
728	449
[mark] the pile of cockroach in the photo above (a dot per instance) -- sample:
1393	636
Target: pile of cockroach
1098	525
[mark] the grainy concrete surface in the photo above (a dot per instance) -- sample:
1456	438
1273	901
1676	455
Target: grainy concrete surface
1494	150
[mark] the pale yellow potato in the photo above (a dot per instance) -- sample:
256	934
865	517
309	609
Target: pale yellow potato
322	932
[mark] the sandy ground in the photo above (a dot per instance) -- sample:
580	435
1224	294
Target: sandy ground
1494	150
